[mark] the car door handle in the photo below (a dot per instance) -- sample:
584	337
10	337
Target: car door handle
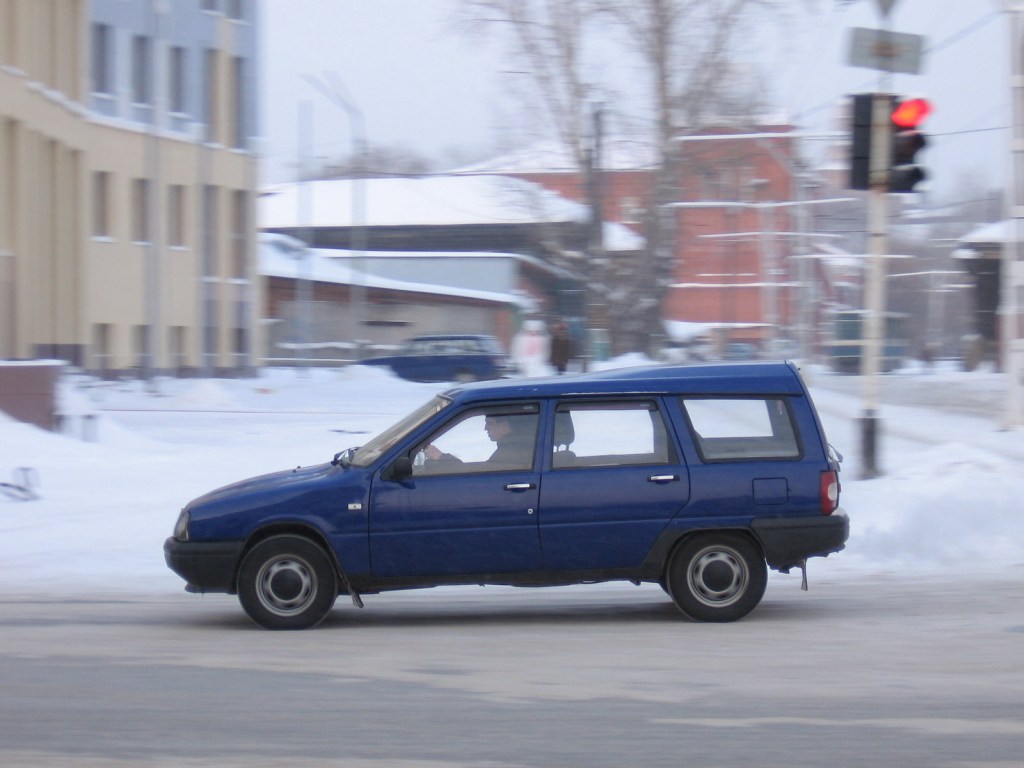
520	487
662	478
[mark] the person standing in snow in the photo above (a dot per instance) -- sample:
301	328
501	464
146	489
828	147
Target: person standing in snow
561	347
531	348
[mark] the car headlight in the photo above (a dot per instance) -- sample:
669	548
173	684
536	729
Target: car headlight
181	527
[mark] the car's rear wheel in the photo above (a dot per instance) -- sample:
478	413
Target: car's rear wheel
717	577
287	582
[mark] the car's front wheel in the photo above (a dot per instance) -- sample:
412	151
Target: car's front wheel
717	577
287	582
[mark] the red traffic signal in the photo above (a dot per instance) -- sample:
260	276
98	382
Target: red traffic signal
905	140
905	172
909	114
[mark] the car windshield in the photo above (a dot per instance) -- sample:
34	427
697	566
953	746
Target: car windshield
373	450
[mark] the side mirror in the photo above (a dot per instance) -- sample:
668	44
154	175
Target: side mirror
400	469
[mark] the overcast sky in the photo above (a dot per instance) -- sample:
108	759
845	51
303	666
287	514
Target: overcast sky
420	82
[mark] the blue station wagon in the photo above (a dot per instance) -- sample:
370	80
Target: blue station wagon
452	357
697	478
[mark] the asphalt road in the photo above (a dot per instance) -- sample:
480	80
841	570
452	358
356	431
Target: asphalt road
869	672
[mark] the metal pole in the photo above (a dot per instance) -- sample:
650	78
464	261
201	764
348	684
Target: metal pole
359	239
154	336
1009	309
874	326
303	283
808	310
875	300
334	92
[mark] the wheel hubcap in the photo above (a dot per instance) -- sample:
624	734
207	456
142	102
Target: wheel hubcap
286	586
717	577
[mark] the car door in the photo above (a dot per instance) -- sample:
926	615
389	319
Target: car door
461	511
614	481
413	362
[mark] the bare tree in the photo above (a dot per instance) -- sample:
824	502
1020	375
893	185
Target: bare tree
547	39
375	161
685	50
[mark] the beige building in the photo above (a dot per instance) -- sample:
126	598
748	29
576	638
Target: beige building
127	177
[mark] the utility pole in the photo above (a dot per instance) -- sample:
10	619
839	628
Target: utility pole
332	88
874	326
875	300
154	353
303	324
1010	273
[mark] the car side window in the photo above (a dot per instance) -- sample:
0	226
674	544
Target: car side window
482	440
610	434
741	428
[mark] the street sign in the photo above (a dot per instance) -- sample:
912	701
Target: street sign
885	50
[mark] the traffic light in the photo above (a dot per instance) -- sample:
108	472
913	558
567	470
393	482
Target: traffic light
905	118
907	141
860	141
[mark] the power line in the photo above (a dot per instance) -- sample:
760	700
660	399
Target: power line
972	130
960	34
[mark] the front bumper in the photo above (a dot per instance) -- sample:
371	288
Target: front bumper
788	541
205	566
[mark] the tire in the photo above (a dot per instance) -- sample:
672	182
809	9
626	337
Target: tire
717	577
287	582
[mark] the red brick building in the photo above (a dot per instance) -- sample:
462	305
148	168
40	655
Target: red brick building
734	212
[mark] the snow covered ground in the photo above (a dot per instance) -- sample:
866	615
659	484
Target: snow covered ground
948	502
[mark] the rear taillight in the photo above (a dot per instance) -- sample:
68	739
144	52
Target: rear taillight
829	491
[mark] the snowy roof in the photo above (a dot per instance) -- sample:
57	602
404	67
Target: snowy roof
434	201
426	201
283	256
996	233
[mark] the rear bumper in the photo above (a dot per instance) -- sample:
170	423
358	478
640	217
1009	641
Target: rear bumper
787	541
205	566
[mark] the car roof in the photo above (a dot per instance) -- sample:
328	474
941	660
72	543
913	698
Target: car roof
446	336
762	378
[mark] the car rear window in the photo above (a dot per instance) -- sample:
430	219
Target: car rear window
741	428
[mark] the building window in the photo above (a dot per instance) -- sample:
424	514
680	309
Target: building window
142	69
176	216
142	350
239	72
140	211
101	343
102	55
177	341
210	105
630	210
236	9
209	231
210	5
177	79
239	233
210	334
240	346
101	204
